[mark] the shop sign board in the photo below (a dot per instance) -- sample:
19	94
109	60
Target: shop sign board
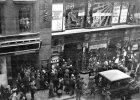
75	15
116	12
135	47
124	12
99	14
57	17
55	59
97	46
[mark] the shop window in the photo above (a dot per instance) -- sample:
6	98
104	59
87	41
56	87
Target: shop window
25	18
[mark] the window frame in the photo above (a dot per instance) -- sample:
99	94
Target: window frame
2	19
31	6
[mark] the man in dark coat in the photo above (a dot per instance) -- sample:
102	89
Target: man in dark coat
79	88
72	85
55	83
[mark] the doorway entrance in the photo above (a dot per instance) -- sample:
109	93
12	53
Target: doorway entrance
23	61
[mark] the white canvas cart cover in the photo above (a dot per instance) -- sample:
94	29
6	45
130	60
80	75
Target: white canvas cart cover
114	75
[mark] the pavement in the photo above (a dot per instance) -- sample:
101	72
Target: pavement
43	95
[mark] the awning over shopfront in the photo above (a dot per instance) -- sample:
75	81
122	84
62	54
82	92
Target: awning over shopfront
97	46
19	44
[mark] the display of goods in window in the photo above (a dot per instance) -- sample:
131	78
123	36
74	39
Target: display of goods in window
99	14
74	15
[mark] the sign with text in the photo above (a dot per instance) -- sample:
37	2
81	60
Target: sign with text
116	12
57	17
3	71
124	12
97	46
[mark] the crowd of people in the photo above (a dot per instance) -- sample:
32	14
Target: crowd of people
58	80
124	60
64	78
29	79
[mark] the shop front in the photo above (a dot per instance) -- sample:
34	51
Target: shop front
80	48
21	61
19	51
68	47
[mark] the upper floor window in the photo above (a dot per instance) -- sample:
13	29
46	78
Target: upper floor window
1	20
25	18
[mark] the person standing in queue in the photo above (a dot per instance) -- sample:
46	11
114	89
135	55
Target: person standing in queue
79	88
33	88
51	89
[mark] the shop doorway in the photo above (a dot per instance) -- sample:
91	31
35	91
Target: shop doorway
73	51
22	61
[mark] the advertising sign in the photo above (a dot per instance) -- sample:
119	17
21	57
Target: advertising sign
116	12
97	46
57	17
124	12
135	47
75	15
99	14
3	71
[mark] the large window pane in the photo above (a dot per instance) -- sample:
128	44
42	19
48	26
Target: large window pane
25	18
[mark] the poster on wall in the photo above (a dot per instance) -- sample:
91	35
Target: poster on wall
3	72
57	17
75	15
116	12
99	14
124	12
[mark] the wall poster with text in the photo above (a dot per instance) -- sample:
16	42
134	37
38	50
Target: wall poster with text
116	12
3	71
99	14
57	17
124	12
